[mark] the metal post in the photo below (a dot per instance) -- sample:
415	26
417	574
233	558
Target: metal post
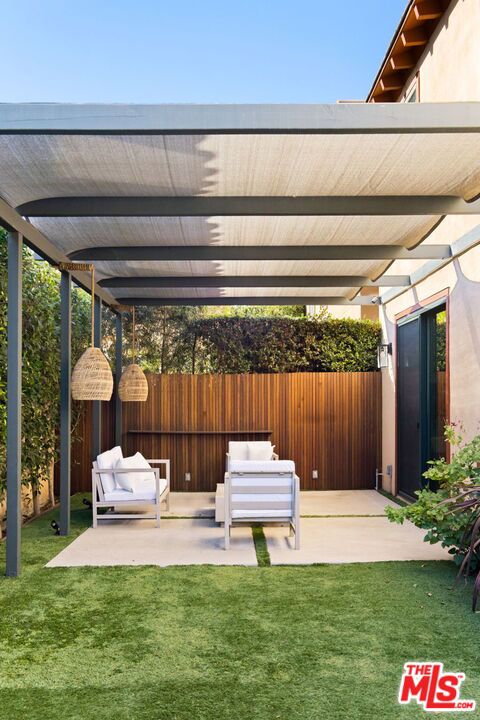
14	405
65	399
97	406
118	375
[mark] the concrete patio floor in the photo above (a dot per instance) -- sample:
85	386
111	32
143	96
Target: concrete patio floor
346	527
192	541
351	540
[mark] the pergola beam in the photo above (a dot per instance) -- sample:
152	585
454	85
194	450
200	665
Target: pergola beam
236	281
258	206
460	246
12	221
339	119
259	300
167	253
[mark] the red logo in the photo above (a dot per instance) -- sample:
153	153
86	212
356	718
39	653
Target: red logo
435	690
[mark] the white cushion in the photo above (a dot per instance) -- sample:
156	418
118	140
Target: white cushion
145	491
267	466
132	481
238	450
260	450
107	461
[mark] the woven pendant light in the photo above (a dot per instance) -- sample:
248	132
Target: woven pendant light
133	386
92	377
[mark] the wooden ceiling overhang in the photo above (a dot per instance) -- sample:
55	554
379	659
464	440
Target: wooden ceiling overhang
416	27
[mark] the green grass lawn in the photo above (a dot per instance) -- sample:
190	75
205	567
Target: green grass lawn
210	642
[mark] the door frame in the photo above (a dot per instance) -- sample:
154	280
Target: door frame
422	306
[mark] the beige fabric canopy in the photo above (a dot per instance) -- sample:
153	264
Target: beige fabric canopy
419	162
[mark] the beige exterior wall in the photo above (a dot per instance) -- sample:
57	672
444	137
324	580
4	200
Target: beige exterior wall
450	65
449	70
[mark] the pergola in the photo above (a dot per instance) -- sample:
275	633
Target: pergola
223	204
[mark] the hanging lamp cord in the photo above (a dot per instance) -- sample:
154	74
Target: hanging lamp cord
93	306
133	334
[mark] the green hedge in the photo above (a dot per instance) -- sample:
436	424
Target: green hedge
269	345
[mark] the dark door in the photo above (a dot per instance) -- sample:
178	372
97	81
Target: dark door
421	396
408	407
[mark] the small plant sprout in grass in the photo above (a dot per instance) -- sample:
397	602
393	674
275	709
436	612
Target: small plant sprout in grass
450	508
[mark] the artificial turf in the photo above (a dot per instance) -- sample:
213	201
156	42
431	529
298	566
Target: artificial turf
188	643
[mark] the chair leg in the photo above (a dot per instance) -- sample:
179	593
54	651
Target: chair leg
227	536
167	502
157	523
94	509
297	537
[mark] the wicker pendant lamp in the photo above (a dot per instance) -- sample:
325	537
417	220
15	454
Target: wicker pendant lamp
92	377
133	386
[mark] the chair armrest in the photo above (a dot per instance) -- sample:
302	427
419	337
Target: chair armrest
123	470
275	456
166	462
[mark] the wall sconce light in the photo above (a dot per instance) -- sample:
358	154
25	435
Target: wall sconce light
383	351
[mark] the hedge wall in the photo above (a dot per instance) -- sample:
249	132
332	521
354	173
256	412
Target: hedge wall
269	345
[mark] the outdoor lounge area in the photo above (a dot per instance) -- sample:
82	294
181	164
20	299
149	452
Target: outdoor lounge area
337	527
240	360
156	225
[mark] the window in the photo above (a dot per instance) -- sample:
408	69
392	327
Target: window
412	94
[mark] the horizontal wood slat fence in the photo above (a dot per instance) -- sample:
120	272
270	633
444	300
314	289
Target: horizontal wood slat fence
328	422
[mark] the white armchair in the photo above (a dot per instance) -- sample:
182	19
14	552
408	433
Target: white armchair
263	492
107	492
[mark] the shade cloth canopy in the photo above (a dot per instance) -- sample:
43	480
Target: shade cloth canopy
347	176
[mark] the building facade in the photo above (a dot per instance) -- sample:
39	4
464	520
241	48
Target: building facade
433	373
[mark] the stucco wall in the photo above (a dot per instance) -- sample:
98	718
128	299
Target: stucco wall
449	70
462	280
450	65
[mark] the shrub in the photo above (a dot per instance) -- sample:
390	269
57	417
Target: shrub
274	344
451	513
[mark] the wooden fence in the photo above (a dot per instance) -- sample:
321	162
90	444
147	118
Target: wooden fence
326	422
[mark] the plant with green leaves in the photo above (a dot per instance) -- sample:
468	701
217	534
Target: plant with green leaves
40	365
450	508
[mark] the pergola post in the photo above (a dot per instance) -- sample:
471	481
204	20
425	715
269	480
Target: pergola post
65	399
118	375
97	405
14	405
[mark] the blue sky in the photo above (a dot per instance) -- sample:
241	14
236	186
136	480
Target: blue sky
185	51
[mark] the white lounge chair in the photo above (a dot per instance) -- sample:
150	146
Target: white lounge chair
263	492
257	450
147	487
